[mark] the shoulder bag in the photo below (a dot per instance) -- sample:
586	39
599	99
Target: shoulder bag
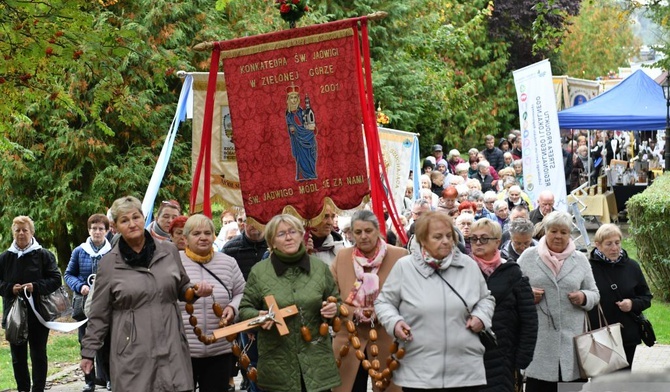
89	298
54	305
486	335
645	328
600	351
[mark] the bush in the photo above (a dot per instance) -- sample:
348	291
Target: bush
649	214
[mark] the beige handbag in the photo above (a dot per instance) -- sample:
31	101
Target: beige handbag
600	351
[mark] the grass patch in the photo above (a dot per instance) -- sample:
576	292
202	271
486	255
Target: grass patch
62	350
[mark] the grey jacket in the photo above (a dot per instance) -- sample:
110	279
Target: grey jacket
443	353
559	321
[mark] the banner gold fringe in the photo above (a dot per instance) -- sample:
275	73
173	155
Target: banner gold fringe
229	54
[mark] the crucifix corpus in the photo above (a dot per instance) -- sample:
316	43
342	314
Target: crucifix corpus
277	316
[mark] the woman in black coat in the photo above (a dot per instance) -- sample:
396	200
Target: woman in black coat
514	319
612	266
26	266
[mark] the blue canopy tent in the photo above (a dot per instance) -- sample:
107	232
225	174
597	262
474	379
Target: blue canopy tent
635	104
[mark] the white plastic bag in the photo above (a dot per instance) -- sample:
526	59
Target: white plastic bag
17	322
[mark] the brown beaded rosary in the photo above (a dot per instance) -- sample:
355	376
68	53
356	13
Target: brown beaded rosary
216	308
382	379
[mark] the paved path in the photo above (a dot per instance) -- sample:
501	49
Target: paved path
647	360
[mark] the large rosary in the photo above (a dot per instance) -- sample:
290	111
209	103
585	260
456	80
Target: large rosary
216	308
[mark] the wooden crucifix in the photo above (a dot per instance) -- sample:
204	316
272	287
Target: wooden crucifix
279	315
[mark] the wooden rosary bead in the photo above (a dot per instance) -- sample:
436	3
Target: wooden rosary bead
375	364
386	373
189	308
202	339
218	310
232	337
393	366
351	327
323	329
379	384
400	353
222	323
344	350
332	299
344	311
378	376
360	355
237	351
374	350
193	321
244	361
388	361
366	364
355	342
373	335
252	374
394	347
337	324
189	295
197	331
372	372
306	334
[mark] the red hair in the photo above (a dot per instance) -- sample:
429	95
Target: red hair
466	205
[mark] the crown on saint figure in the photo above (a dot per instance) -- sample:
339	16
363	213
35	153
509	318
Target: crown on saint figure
292	89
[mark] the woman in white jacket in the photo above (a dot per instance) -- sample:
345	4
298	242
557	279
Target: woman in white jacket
563	287
417	306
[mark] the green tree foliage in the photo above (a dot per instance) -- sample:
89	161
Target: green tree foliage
599	40
658	12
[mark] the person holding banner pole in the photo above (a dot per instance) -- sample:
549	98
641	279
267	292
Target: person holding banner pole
26	266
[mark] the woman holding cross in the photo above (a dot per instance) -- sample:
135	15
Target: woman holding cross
303	359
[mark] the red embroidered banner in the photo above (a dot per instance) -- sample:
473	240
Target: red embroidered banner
296	115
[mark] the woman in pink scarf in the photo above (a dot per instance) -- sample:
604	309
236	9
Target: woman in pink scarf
563	288
360	273
514	318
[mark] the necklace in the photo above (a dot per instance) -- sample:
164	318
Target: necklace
216	308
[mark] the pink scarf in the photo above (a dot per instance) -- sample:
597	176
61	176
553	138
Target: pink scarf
366	287
552	259
488	266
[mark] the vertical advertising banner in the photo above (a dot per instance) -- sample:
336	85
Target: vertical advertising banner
397	147
296	121
542	152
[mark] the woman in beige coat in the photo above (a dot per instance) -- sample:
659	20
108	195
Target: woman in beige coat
360	273
135	300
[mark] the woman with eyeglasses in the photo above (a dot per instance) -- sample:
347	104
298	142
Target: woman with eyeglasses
514	318
303	360
563	288
167	212
212	362
435	302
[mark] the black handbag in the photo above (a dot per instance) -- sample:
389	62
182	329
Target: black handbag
78	302
647	333
54	305
486	335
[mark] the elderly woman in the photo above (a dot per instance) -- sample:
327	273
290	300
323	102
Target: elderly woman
228	232
521	238
501	212
449	200
518	171
515	197
26	266
360	273
292	362
563	287
514	318
211	362
464	223
167	212
135	300
612	266
417	306
84	263
177	236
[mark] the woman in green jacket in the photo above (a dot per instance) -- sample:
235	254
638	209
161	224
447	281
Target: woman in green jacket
294	362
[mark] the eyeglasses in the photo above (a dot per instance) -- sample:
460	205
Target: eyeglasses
241	220
283	234
483	240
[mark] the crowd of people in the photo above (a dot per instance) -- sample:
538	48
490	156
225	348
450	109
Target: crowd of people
481	258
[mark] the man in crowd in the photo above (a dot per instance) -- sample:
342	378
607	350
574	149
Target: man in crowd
493	154
545	205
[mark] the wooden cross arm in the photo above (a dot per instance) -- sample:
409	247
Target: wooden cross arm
280	314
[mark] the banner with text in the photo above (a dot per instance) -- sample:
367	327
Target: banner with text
542	153
296	119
